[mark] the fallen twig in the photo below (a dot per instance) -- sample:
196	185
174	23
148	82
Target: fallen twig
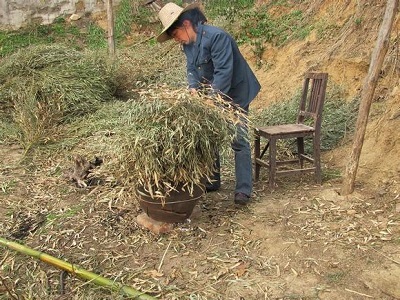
162	259
361	294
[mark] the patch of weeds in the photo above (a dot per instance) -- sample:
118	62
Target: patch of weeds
58	32
67	213
258	50
335	277
130	13
13	40
96	38
259	24
9	132
144	17
301	297
51	217
330	174
7	186
123	19
227	8
358	21
59	27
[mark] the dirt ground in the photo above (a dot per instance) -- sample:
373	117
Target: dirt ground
299	241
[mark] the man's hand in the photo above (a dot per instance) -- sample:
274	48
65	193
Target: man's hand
193	91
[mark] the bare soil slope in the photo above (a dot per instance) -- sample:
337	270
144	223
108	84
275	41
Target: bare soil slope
341	44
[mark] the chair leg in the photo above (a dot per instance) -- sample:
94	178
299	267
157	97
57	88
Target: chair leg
272	162
317	160
300	151
257	166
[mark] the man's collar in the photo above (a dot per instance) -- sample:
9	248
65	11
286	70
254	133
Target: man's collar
199	34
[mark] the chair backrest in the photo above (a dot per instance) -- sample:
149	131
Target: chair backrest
312	99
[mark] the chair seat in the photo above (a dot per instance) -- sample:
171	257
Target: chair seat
285	129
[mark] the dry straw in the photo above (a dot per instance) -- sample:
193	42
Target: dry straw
43	86
165	138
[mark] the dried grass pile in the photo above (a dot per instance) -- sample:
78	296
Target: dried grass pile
165	138
152	64
42	86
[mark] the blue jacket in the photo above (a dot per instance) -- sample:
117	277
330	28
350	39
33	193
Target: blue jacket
214	59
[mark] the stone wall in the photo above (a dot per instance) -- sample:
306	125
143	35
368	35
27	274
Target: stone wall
18	13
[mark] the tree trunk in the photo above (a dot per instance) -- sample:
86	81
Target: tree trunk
367	93
110	31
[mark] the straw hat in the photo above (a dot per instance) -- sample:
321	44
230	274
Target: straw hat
168	15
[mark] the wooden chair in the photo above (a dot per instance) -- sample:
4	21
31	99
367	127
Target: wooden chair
311	105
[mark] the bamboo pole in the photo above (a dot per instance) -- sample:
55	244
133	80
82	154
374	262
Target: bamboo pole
75	270
110	26
367	93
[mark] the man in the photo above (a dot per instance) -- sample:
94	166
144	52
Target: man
213	59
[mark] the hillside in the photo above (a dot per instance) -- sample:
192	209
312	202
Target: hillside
343	48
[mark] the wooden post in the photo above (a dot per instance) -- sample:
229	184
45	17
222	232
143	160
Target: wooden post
110	31
367	93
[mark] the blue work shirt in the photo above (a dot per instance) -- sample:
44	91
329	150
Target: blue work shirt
214	59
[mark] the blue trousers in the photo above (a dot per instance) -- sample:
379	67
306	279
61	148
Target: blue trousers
243	165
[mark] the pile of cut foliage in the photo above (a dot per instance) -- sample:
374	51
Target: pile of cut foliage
165	138
43	86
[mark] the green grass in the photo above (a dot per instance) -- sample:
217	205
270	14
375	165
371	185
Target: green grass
124	19
330	174
227	8
58	32
7	186
336	277
62	32
256	26
244	23
9	132
260	24
96	37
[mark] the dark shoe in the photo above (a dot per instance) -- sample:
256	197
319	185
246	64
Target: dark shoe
212	187
241	199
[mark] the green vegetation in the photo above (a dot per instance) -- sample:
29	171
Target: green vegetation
247	23
358	21
257	26
58	32
43	86
260	24
330	174
230	9
77	35
334	278
7	186
124	18
163	138
96	37
25	88
244	22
